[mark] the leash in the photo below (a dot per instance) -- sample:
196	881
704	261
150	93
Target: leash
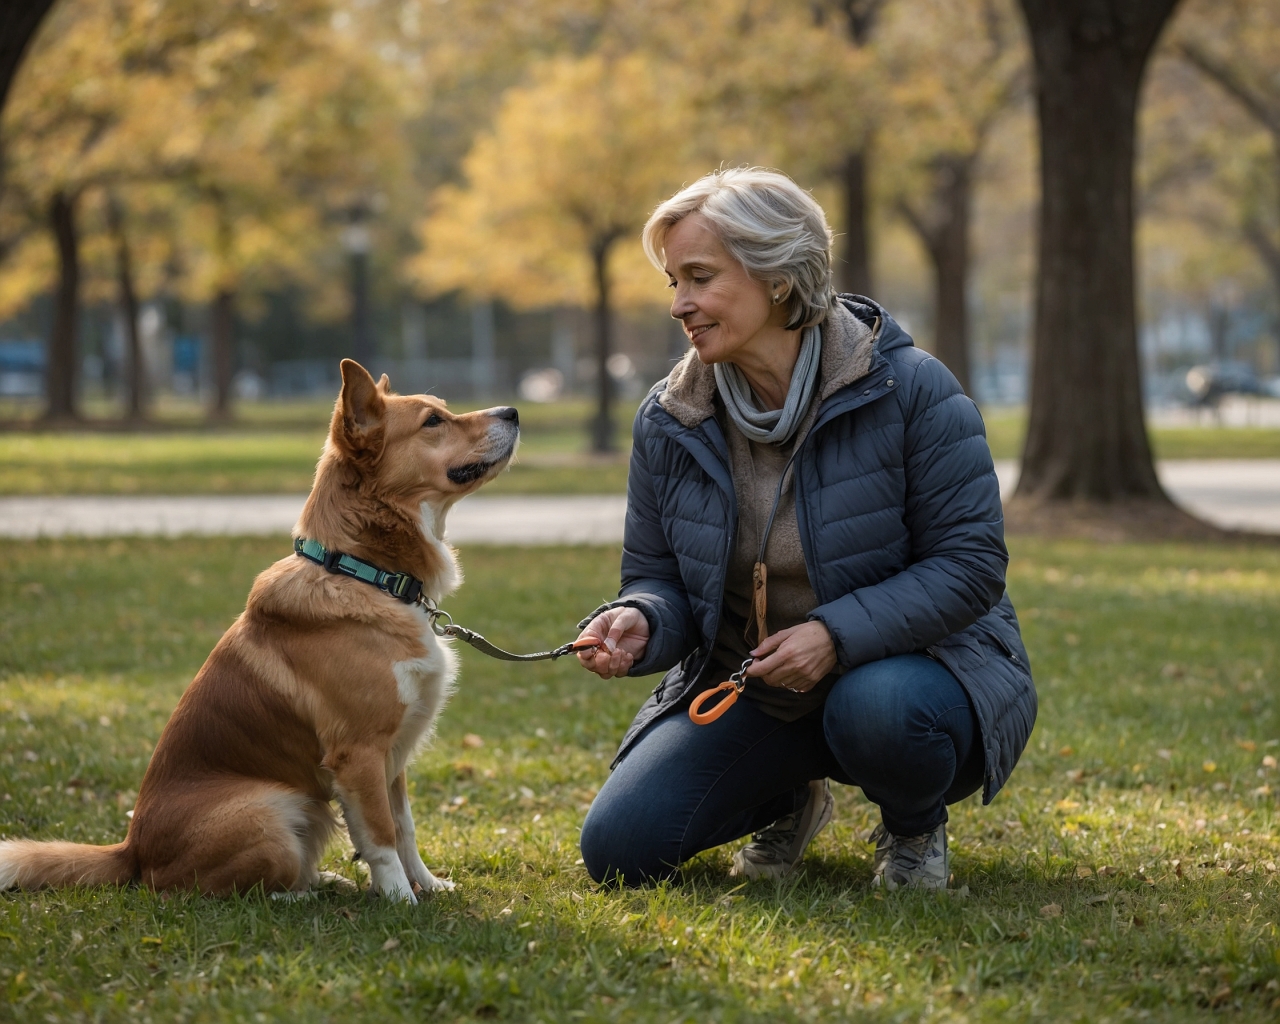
408	590
731	687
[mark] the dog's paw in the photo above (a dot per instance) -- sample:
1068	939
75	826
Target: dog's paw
294	895
397	895
334	882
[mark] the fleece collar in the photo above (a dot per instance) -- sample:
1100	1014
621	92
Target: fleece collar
848	346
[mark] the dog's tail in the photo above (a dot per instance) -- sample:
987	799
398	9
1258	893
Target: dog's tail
26	864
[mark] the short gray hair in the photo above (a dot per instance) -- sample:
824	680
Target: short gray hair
765	221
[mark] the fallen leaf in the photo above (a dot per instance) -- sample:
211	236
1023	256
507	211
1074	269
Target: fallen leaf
390	944
1084	872
1066	751
1220	996
472	740
1075	774
1268	762
1066	805
1100	898
1246	745
1051	910
1209	766
1166	755
1106	871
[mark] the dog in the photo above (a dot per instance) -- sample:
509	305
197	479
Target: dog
322	689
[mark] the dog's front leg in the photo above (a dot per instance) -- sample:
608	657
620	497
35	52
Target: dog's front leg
406	844
360	783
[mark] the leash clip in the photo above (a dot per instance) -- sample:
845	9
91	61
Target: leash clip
731	687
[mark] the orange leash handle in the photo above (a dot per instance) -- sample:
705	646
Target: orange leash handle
734	685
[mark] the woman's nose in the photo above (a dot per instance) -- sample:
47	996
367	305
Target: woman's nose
681	305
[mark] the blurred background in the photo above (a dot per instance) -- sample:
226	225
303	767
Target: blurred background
213	201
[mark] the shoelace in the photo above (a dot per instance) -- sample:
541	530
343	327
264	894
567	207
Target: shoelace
782	830
907	851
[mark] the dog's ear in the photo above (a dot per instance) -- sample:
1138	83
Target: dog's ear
384	385
361	411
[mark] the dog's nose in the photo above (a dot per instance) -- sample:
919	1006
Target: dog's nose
506	412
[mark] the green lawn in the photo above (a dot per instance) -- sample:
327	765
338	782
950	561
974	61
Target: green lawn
259	456
1006	430
1128	872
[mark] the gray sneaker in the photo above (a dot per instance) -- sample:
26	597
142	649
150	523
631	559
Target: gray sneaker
911	862
775	852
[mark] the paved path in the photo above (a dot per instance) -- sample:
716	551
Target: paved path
526	519
1238	493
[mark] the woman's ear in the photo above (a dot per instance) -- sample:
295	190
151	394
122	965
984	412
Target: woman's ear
359	427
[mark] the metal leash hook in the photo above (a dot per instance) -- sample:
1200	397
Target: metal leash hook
454	631
735	684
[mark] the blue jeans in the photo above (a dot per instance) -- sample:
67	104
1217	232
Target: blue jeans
903	729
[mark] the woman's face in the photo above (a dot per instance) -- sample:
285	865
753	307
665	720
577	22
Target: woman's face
723	308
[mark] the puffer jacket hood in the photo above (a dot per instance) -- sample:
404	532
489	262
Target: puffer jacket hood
899	515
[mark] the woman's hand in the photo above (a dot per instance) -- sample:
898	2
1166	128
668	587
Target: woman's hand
796	658
625	632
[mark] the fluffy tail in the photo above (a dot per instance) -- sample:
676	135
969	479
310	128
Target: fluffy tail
26	864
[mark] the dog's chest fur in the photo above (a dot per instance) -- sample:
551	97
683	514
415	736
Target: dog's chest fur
423	685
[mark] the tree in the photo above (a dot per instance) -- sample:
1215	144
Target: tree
1086	437
1236	46
574	163
19	20
955	67
254	123
859	17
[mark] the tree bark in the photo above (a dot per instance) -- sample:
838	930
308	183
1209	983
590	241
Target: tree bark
127	296
63	363
855	251
944	232
222	330
602	439
1087	438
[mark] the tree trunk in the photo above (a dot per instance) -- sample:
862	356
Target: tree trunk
63	363
1087	438
855	252
944	231
127	296
602	425
222	329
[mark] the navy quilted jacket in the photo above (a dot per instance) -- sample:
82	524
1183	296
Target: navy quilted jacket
900	520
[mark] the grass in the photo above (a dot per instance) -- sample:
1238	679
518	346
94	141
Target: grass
266	459
1006	430
1126	873
262	456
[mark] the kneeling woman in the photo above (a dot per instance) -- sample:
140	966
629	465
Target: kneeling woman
812	493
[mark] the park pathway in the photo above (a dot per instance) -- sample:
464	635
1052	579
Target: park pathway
1242	493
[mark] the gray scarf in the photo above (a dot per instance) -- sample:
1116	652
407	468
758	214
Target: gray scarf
772	426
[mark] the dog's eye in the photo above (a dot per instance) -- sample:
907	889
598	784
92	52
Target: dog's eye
433	421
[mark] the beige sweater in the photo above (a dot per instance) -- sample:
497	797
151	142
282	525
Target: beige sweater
691	397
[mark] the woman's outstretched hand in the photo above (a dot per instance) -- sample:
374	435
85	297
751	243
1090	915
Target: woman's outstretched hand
796	658
625	632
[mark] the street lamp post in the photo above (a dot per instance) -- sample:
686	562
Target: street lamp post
356	241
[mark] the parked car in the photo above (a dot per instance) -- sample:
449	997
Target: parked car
1210	382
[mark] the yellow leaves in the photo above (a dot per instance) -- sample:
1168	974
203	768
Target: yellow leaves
1209	766
574	162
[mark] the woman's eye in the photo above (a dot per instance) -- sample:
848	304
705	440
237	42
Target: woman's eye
433	421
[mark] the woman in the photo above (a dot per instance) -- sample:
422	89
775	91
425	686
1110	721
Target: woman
812	494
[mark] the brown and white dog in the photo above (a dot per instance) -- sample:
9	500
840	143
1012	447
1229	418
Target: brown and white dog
323	688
